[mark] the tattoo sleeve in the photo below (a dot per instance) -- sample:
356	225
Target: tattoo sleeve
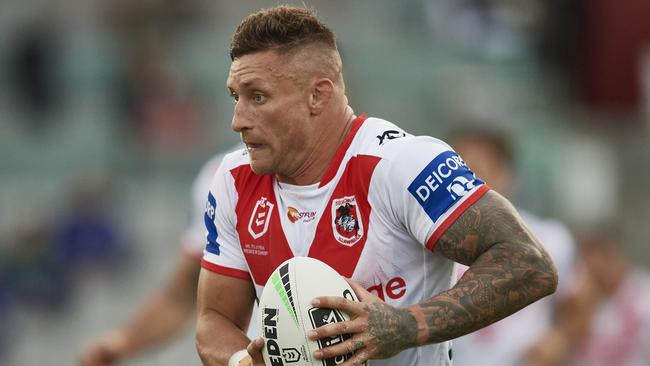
509	269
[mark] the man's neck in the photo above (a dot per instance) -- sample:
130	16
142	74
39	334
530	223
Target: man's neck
320	157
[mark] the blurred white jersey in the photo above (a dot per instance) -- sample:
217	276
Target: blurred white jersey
375	216
194	237
506	341
620	331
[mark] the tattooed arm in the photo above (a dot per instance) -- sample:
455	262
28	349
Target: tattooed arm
509	269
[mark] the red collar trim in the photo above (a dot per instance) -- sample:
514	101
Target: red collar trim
340	152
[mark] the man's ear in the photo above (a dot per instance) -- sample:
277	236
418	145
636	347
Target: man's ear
321	93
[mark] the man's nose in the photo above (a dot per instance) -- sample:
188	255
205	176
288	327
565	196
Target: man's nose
240	118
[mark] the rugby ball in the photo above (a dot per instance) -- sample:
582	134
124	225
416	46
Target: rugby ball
286	314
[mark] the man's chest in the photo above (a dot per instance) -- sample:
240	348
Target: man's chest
331	222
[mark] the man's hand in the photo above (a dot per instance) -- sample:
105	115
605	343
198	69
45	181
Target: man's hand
378	330
105	351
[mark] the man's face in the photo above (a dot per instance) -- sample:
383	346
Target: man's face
271	111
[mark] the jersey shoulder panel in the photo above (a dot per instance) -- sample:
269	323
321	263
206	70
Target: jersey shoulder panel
374	135
426	185
223	253
379	137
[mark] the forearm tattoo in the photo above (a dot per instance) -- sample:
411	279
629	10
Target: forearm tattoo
509	270
392	329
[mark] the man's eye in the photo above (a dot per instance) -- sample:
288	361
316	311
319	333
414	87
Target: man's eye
259	98
235	97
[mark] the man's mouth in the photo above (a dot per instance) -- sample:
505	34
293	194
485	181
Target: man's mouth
252	146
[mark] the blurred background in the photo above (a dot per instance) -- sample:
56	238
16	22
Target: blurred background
109	107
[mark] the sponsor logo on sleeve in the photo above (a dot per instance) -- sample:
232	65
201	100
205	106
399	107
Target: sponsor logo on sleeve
445	180
208	218
347	225
260	218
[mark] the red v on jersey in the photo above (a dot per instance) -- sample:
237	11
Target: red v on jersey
340	234
263	241
258	224
330	244
340	152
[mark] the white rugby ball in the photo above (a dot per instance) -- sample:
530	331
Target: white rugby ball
286	314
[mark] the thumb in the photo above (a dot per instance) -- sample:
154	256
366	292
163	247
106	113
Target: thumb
254	349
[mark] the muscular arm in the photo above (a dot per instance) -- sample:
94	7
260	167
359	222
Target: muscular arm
509	269
224	310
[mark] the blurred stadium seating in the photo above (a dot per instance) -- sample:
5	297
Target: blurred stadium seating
129	98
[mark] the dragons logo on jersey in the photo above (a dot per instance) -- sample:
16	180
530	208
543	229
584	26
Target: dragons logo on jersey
347	225
260	218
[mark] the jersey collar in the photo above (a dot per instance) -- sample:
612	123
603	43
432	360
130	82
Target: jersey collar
340	152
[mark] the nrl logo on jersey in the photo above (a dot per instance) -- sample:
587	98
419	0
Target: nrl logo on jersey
346	220
260	218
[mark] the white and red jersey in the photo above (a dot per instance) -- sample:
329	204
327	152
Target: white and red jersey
375	216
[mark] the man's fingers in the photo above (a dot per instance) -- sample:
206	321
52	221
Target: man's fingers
362	294
334	329
350	346
357	359
255	347
352	308
254	350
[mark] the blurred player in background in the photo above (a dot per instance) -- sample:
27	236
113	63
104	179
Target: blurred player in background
616	329
505	343
608	320
168	309
389	210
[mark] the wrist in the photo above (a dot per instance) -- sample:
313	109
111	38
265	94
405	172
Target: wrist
422	336
237	357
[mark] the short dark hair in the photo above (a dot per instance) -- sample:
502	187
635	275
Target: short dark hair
282	28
